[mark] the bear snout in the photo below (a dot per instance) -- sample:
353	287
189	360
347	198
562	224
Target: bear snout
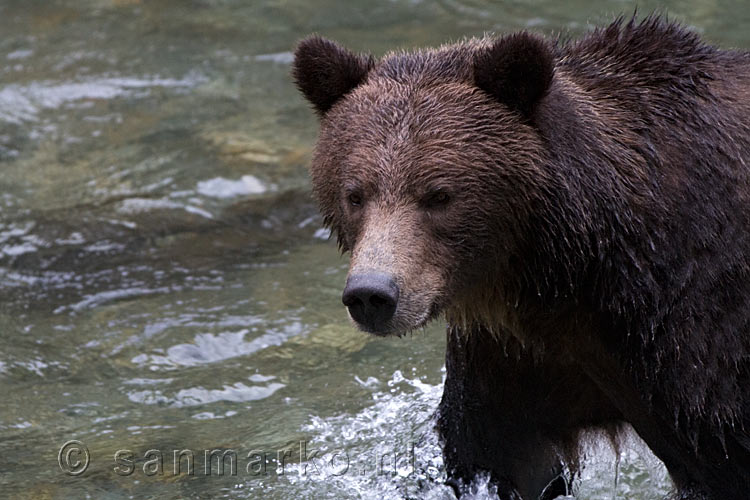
371	299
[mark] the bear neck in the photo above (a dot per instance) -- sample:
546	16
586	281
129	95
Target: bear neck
577	252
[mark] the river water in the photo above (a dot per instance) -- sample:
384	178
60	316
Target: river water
166	288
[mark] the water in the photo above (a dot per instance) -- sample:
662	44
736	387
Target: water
165	284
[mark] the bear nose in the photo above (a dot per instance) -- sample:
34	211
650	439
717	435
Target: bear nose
371	299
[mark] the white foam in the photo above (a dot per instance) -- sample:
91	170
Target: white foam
196	396
15	250
100	298
383	451
323	233
140	205
20	54
21	103
209	348
277	57
220	187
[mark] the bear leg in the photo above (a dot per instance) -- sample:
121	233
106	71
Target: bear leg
515	417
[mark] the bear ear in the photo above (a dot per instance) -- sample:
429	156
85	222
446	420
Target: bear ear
517	70
324	71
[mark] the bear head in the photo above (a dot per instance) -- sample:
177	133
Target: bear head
427	168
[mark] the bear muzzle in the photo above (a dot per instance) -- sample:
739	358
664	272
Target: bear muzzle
371	299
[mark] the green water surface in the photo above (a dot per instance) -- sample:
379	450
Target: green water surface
165	282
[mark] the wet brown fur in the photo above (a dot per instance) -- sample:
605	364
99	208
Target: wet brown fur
593	259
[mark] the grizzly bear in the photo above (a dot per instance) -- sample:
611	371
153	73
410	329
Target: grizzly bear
579	212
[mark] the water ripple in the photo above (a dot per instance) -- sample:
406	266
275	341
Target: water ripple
22	103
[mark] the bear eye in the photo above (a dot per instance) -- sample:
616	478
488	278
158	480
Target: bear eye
355	199
436	199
